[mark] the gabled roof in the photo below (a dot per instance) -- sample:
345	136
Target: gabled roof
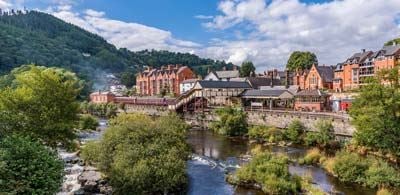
257	82
359	57
326	72
292	88
390	50
190	81
276	93
224	84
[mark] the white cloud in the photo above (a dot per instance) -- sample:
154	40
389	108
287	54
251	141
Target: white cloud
333	30
133	36
5	4
203	17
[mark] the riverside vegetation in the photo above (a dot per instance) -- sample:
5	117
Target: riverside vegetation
142	155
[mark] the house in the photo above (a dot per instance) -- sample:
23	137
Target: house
284	77
224	75
312	100
317	77
186	85
167	79
102	97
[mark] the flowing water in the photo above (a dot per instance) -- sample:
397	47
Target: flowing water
207	168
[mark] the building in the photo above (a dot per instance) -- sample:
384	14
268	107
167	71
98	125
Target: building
102	97
278	97
355	70
166	79
186	85
224	75
317	77
284	77
118	90
312	100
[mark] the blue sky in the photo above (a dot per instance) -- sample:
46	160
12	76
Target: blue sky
263	31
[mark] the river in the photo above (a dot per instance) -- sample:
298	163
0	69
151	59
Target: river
206	178
206	171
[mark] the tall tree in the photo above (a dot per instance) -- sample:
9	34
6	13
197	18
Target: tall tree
301	60
247	69
375	113
41	102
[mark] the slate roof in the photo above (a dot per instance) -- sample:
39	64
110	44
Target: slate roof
224	84
359	57
292	88
257	82
227	74
312	92
263	93
190	80
326	73
390	50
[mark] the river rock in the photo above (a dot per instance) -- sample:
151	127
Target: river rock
89	176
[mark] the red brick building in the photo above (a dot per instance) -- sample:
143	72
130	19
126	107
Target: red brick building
102	97
318	77
153	81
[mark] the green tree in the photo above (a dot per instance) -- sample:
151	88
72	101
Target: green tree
28	167
375	113
142	155
247	69
128	78
232	122
324	135
41	102
301	60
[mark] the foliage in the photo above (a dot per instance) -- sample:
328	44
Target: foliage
27	167
375	113
301	60
232	122
295	131
128	78
108	110
350	167
381	174
324	135
142	155
247	69
268	134
88	122
271	172
383	191
391	42
40	102
313	156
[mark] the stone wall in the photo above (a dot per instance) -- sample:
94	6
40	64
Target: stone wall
341	124
147	109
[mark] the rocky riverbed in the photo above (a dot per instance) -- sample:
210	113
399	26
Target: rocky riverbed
80	179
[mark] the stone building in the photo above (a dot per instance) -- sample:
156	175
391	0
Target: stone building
166	79
102	97
224	75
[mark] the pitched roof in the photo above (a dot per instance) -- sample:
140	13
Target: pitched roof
312	92
227	74
190	81
292	88
326	73
359	57
257	82
390	50
224	84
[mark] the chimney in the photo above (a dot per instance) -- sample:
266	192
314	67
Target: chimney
162	67
208	70
272	80
363	50
170	67
224	68
287	78
177	66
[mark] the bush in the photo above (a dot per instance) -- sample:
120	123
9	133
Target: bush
323	137
88	122
313	156
295	131
28	167
381	174
142	155
232	122
268	134
271	172
350	167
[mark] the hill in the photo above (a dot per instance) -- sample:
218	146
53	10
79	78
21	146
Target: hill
39	38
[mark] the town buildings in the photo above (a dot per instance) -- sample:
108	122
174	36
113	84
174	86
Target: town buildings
224	75
353	73
186	85
164	80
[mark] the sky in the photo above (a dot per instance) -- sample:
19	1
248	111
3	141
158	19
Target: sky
262	31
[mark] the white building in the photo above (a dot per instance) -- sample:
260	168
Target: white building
118	90
186	85
225	75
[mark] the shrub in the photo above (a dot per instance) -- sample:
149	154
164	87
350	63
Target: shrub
232	122
271	172
28	167
88	122
383	191
268	134
323	137
295	131
313	156
381	174
142	155
350	167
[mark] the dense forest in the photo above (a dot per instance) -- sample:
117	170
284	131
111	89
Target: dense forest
32	37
